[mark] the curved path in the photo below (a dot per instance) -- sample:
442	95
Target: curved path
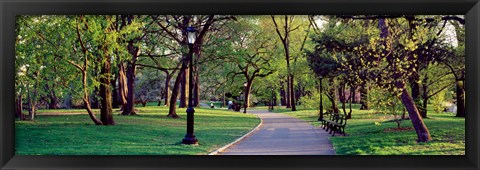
282	135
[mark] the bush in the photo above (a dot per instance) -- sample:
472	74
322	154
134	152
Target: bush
438	101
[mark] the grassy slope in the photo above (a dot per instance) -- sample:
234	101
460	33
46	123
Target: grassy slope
149	133
367	137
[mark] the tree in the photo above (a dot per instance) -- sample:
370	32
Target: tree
250	53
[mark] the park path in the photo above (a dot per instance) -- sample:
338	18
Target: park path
282	135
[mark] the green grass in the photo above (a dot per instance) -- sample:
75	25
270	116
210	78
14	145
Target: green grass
148	133
365	137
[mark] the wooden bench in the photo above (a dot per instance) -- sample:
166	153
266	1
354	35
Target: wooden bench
335	123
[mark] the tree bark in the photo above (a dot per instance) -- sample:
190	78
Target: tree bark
333	97
287	93
292	93
106	92
283	96
352	96
196	90
122	84
173	106
167	87
129	108
183	90
86	101
460	95
364	97
422	131
18	107
115	98
320	89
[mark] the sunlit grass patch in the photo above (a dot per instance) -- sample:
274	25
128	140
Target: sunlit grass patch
148	133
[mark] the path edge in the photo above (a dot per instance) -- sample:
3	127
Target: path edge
237	140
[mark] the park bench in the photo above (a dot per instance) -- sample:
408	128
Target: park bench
335	123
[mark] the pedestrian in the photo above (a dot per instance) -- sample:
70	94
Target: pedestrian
230	104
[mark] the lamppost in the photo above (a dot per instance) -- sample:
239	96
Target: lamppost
271	104
245	98
190	137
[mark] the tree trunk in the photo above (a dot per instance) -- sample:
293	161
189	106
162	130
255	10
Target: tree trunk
115	98
341	93
422	131
460	95
320	89
173	106
122	85
352	96
416	95
196	89
129	108
333	98
283	96
364	97
183	90
246	100
86	100
292	94
287	93
106	93
18	107
167	88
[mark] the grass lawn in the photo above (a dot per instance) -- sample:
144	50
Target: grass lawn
148	133
368	134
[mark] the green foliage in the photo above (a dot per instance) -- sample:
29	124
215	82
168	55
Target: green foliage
438	101
386	102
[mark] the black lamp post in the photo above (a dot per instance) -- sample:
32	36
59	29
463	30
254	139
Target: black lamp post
271	104
190	137
245	98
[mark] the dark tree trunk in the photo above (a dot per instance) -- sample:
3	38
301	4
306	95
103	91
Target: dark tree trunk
460	95
364	97
292	94
167	88
320	89
106	93
333	97
352	96
341	93
183	90
115	98
129	108
283	96
422	131
416	95
176	87
287	93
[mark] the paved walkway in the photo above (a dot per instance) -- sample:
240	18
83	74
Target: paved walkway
283	135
